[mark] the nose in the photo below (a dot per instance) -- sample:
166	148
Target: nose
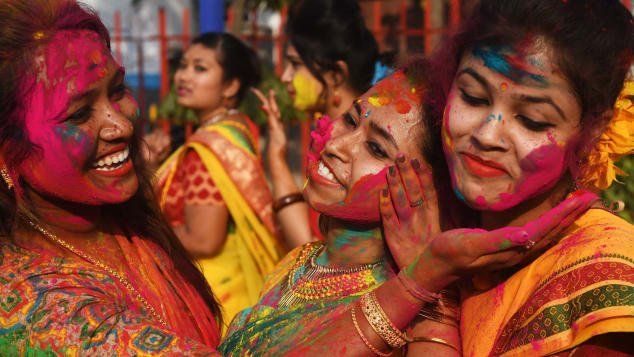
342	145
181	74
287	75
490	134
115	125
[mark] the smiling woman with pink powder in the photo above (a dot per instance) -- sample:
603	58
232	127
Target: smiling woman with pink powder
88	265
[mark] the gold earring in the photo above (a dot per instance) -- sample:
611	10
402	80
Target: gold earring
5	176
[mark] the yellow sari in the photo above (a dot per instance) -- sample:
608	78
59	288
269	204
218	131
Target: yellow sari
580	288
251	250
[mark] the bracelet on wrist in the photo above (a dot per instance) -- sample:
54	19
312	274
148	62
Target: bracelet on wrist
435	340
287	201
416	290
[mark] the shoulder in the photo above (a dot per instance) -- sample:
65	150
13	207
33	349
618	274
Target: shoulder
285	265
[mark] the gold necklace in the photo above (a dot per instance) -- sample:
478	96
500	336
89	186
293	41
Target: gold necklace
316	282
51	236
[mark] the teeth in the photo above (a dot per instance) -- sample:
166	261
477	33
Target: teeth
324	171
114	159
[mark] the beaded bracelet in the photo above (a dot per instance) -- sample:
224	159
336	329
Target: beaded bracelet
416	290
365	340
287	200
380	323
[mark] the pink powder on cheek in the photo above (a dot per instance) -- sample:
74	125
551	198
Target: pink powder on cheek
320	137
362	201
541	170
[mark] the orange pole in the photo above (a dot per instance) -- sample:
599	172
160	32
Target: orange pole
117	35
628	4
279	42
378	32
254	29
455	12
427	25
164	89
402	18
186	26
163	44
230	16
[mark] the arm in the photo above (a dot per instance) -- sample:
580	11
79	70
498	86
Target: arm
444	258
293	218
206	216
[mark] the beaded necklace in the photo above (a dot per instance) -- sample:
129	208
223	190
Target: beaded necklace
308	281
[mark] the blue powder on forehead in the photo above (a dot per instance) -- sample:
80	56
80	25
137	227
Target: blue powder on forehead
499	59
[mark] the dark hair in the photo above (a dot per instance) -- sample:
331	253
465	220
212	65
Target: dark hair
326	31
236	59
592	42
25	27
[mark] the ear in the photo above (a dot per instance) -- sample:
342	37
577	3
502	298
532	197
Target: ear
231	88
341	75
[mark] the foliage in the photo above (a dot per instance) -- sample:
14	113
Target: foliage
251	104
625	191
177	114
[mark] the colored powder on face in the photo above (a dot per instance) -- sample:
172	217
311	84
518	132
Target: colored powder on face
320	137
306	93
403	107
512	66
504	87
459	195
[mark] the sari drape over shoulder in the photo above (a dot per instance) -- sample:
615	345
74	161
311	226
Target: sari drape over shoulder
251	250
580	288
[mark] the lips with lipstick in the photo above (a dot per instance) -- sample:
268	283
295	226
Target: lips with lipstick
182	91
481	167
115	163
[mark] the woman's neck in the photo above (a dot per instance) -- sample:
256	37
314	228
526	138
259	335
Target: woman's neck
206	115
346	98
351	245
528	210
65	216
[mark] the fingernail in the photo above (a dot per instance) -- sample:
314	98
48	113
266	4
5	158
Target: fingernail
400	158
384	192
392	170
519	236
415	163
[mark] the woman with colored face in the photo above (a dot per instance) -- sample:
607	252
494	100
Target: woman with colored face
89	265
523	128
330	60
323	297
213	189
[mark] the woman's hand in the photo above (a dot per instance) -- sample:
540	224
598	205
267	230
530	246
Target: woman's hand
157	147
463	251
409	210
277	136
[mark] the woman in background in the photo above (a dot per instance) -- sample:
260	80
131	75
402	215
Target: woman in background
213	189
332	58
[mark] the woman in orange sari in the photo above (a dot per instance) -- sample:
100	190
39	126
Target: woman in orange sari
88	264
213	189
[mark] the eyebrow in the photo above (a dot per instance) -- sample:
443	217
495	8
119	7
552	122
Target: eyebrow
522	97
539	100
384	133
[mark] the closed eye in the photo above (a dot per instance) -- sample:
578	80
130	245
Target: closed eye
349	120
471	100
534	125
80	116
376	150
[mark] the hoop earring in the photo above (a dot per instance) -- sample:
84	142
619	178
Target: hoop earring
5	176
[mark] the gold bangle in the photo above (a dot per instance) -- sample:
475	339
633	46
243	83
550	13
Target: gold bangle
438	317
367	343
380	323
435	340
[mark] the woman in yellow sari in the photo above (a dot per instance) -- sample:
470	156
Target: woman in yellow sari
213	189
